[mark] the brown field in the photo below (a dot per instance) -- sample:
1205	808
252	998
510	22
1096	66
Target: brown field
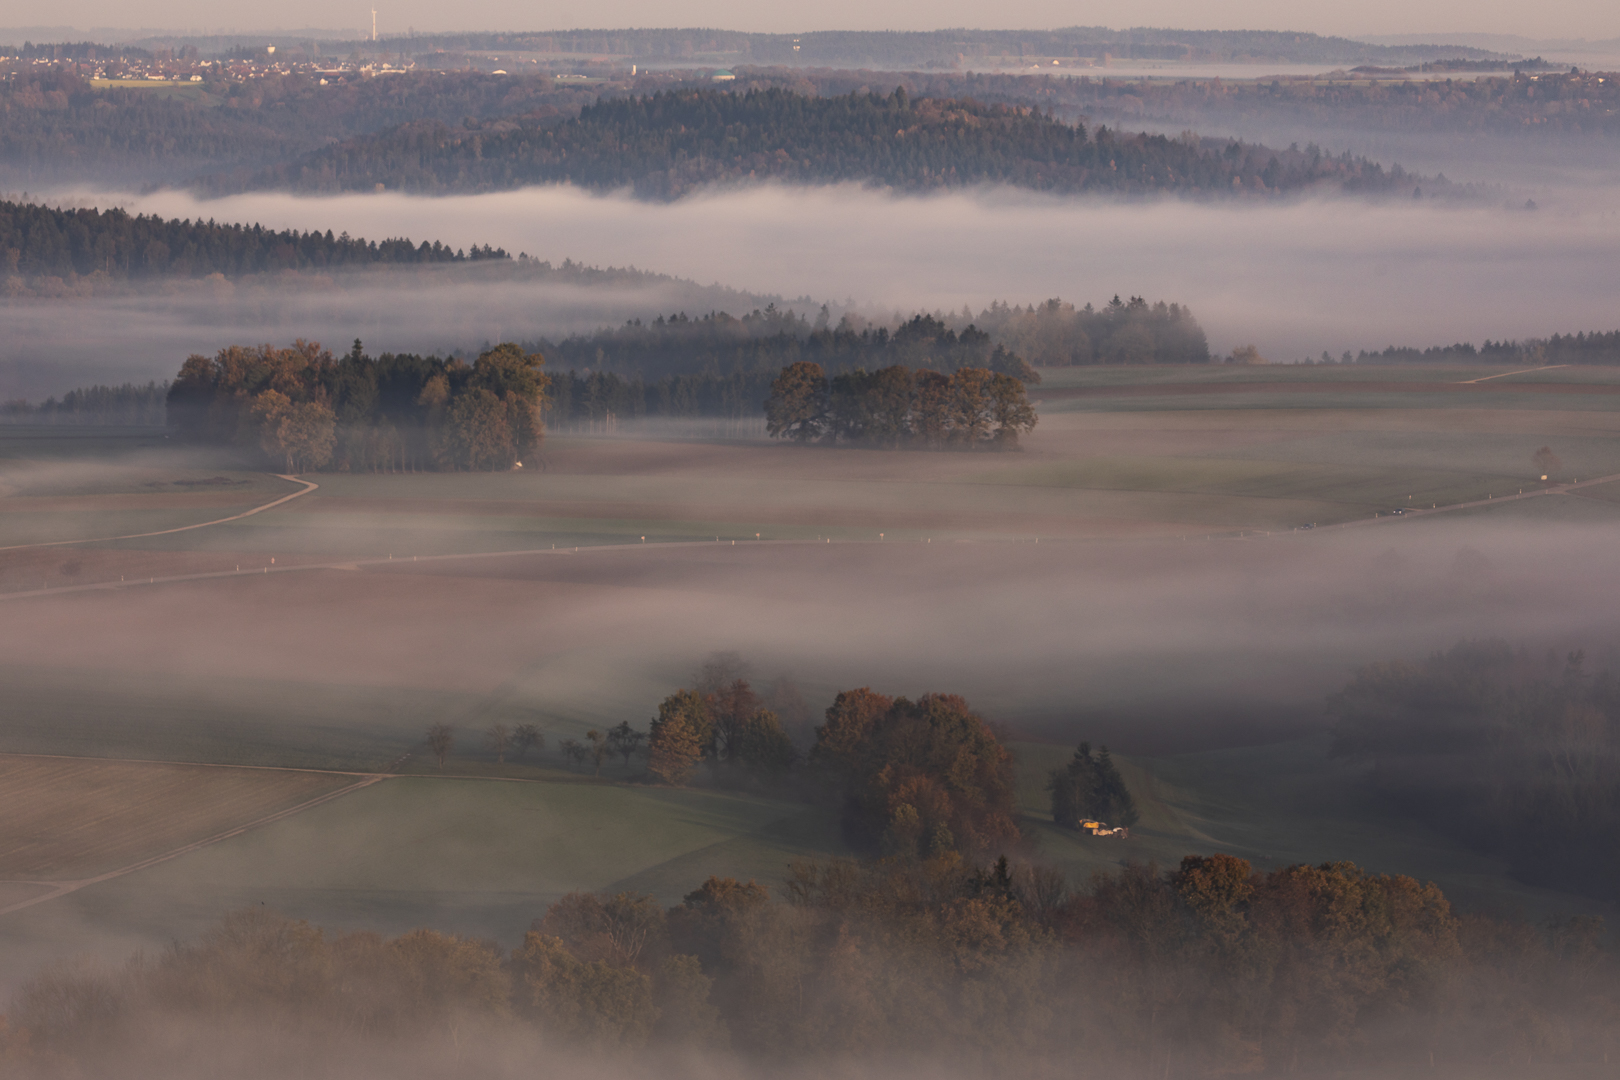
65	819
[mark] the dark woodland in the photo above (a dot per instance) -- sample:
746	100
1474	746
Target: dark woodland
670	143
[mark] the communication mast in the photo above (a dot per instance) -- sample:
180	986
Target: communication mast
373	24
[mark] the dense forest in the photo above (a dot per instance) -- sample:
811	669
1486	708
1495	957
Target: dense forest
1517	755
42	242
670	143
942	943
54	125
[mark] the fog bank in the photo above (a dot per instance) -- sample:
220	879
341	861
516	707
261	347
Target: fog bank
1293	278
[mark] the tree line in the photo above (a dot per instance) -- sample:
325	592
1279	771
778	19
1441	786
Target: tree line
997	969
1598	347
38	242
1573	104
1517	755
896	406
129	403
304	409
667	144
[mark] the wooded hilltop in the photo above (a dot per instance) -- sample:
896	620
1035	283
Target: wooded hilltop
670	143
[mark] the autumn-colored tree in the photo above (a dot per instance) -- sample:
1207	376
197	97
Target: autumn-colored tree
673	750
850	719
696	709
797	406
923	778
591	1004
1010	410
972	407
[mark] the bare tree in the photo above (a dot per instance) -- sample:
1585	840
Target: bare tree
498	738
573	751
525	736
441	739
625	740
720	670
599	748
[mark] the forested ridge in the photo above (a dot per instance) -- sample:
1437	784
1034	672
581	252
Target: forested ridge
665	145
1580	103
42	242
55	124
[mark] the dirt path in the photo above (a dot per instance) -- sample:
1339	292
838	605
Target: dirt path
309	486
62	888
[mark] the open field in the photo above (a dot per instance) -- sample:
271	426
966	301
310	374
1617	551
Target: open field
481	857
64	819
1119	453
1066	590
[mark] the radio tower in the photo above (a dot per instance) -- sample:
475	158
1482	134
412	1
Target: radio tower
373	24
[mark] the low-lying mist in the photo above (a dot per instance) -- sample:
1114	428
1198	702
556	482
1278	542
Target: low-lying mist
57	344
1293	278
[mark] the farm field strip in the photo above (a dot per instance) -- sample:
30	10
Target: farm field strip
309	486
1218	531
65	819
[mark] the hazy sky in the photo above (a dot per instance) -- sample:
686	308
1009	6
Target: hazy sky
1566	18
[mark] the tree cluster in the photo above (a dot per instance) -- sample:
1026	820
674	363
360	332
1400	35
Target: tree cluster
896	406
998	970
1057	334
305	409
670	143
40	242
1090	788
917	778
1516	755
726	726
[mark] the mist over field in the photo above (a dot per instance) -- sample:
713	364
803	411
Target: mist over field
1293	278
54	345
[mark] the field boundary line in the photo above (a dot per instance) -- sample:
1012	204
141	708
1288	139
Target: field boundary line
1551	489
309	486
1505	374
66	887
203	764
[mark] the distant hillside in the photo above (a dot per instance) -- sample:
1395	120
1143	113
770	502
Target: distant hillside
668	144
931	48
56	126
42	242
